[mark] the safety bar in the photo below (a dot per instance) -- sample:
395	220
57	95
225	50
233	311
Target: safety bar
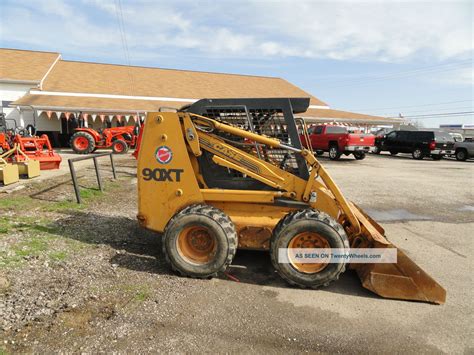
97	172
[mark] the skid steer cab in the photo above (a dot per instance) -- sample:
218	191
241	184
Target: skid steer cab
223	174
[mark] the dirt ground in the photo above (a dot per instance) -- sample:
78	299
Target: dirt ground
86	278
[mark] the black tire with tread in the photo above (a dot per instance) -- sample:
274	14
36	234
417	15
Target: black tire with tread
122	143
416	155
336	235
337	154
359	155
90	148
213	218
393	152
461	155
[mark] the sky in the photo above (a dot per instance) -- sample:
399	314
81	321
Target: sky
377	57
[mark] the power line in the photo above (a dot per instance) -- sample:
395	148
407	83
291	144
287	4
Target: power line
411	106
377	75
123	37
465	113
409	71
397	76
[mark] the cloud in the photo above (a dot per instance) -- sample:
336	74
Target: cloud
346	30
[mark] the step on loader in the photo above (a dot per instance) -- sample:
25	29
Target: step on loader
223	174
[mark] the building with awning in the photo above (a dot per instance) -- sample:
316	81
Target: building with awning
55	95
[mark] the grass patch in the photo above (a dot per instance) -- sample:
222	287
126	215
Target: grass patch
64	205
58	255
18	202
88	193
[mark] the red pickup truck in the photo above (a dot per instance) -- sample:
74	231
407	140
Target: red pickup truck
337	141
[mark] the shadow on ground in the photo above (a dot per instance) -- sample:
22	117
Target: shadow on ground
141	250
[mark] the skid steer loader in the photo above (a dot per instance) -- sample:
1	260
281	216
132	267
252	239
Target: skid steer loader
223	174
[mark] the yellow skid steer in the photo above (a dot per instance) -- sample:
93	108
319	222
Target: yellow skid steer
223	174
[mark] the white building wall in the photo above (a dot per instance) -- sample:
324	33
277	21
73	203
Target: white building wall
12	92
25	117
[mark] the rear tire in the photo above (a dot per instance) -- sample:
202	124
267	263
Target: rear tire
461	155
417	154
328	232
319	152
359	155
334	153
82	143
119	147
376	150
200	241
393	152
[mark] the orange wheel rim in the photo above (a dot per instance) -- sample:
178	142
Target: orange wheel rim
81	143
306	240
119	147
196	244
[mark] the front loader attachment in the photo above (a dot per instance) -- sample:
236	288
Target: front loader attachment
40	149
8	172
404	280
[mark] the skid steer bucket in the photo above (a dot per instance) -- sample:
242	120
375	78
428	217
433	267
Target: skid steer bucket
404	280
8	172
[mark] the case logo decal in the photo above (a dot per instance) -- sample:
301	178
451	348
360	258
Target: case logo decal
163	154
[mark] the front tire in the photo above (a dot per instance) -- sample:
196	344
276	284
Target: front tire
376	150
334	153
417	154
200	241
359	155
308	229
82	143
461	155
119	147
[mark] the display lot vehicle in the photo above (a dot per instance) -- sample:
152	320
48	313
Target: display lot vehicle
337	141
120	139
464	150
420	144
27	146
223	174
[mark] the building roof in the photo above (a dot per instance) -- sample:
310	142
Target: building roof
25	66
343	116
95	78
93	104
97	87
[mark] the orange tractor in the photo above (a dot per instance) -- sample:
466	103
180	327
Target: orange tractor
120	139
31	147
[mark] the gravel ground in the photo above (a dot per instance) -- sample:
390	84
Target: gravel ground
87	279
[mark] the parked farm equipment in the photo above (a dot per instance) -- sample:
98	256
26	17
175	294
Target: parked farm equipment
120	139
23	148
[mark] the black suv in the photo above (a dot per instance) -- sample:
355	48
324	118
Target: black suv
419	143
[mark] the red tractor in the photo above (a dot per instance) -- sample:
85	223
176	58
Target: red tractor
120	139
